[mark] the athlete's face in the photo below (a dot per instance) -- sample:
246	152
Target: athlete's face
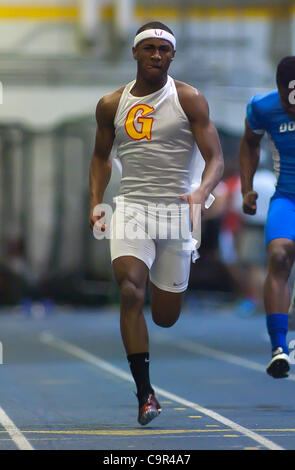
286	101
153	57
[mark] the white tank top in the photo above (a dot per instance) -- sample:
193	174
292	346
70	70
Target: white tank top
155	146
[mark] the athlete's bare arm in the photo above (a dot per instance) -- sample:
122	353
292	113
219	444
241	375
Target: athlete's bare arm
249	159
196	108
101	164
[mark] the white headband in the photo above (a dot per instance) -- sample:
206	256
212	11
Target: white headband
155	33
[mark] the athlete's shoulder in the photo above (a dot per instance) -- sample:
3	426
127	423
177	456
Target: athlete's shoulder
265	102
191	99
186	91
261	110
107	105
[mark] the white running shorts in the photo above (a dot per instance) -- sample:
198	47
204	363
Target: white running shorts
150	239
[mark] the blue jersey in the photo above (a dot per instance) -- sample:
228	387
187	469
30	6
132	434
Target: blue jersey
265	113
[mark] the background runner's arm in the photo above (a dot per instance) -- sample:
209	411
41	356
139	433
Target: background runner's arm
249	158
101	164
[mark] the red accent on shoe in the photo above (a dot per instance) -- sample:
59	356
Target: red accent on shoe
150	410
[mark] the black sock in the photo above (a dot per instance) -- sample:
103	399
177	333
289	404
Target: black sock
139	365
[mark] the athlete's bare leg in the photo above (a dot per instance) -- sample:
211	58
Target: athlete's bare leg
165	306
131	275
281	255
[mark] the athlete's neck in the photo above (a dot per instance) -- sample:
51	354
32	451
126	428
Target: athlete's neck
143	87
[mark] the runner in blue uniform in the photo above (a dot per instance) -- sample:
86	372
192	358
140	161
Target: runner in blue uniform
274	113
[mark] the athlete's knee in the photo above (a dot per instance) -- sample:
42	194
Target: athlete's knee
280	259
165	321
130	293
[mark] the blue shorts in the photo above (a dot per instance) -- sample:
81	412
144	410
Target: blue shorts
280	221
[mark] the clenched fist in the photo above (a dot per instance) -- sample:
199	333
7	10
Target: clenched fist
249	202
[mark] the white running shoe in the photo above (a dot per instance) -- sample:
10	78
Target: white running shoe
279	365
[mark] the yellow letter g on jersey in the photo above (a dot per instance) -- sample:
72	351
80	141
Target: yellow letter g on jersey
146	122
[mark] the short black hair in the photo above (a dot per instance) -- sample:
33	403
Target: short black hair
154	25
286	71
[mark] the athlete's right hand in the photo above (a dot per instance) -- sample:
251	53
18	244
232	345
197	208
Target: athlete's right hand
249	202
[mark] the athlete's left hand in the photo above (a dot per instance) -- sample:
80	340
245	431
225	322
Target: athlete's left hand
195	200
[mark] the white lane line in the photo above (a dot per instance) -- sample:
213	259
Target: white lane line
15	434
53	341
198	348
